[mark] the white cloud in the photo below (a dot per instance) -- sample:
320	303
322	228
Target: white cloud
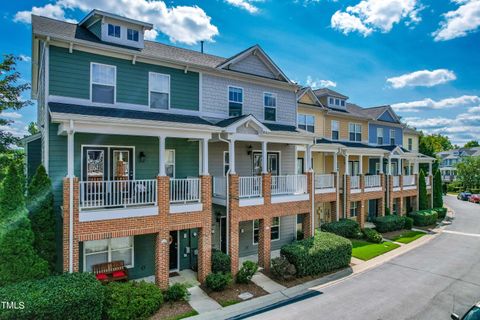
422	78
186	24
245	4
376	15
25	58
474	109
11	115
430	104
460	22
318	83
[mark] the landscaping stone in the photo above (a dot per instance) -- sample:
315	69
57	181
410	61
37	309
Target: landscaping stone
245	295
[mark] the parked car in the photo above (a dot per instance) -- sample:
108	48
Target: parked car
475	198
464	196
472	314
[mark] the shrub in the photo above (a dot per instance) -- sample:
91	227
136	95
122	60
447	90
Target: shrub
408	223
437	190
220	262
422	192
424	217
176	292
387	211
372	235
322	253
11	196
282	269
344	227
442	212
68	296
218	281
246	272
132	300
389	223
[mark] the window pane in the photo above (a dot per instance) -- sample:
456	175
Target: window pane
269	100
158	100
96	246
226	158
310	129
337	102
310	120
335	125
302	126
235	109
270	114
334	135
235	94
94	259
276	221
358	137
159	82
132	34
352	136
95	164
275	233
103	94
330	100
114	31
170	156
170	170
120	243
343	103
103	74
123	254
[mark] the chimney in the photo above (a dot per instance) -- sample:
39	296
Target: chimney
201	46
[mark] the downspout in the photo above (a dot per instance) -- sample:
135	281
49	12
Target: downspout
227	198
70	177
337	204
312	188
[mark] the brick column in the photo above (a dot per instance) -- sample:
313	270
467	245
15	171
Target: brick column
346	198
362	183
66	224
233	222
390	192
205	232
307	220
400	205
266	188
400	182
264	243
162	247
361	214
333	210
381	206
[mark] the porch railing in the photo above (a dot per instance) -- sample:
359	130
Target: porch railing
291	184
117	193
355	182
220	187
372	181
324	181
396	181
408	180
250	187
184	190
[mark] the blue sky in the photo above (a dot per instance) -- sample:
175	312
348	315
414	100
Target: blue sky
421	56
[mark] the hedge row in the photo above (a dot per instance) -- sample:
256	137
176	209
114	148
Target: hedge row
322	253
344	227
389	223
69	296
424	217
372	235
442	212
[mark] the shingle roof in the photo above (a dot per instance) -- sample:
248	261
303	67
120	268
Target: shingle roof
62	29
226	122
280	127
125	113
347	143
374	112
326	91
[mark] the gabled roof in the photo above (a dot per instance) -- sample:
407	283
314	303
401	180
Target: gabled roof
101	13
231	124
329	92
349	144
376	112
255	50
309	92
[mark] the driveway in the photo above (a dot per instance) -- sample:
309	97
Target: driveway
425	283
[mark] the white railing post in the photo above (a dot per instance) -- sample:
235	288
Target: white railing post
184	190
290	184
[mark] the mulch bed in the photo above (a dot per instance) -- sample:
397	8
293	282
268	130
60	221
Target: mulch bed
172	310
232	291
392	234
296	281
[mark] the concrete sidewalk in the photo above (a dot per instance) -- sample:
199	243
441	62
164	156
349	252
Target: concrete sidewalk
201	302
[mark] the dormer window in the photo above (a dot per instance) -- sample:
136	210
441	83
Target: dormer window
331	101
132	35
337	102
342	103
113	30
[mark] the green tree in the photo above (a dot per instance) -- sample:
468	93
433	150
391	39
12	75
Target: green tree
11	194
431	144
41	214
437	190
468	172
471	144
33	128
422	192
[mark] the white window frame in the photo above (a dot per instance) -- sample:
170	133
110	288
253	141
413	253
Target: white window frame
355	132
410	144
354	207
114	26
102	84
305	116
338	129
392	136
272	226
171	163
150	91
228	98
331	101
274	95
380	130
342	103
337	102
133	32
109	252
226	164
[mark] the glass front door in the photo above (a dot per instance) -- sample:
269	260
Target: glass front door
121	164
95	166
273	163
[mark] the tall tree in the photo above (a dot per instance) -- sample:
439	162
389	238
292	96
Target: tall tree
33	128
11	194
422	192
471	144
437	190
431	144
468	172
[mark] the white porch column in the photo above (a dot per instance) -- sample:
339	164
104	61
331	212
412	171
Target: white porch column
347	171
430	168
389	166
161	156
264	157
71	175
231	155
308	155
205	156
415	167
360	164
381	164
70	154
399	167
335	162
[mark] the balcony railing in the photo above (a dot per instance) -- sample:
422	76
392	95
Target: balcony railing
408	180
292	184
220	187
324	181
250	187
117	193
396	181
372	181
184	190
355	182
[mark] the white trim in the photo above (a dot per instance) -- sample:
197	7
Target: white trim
46	121
174	162
355	124
120	213
116	17
228	98
279	153
290	198
392	136
305	116
114	81
200	92
250	202
224	164
150	90
109	259
232	128
326	190
331	130
373	189
270	228
189	207
274	95
107	160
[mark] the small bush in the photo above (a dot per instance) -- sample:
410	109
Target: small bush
132	300
387	211
389	223
408	223
220	262
218	281
68	296
322	253
372	235
442	212
176	292
424	217
246	272
344	227
282	269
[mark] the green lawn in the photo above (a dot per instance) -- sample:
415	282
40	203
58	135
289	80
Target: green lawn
408	236
226	303
183	316
364	250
